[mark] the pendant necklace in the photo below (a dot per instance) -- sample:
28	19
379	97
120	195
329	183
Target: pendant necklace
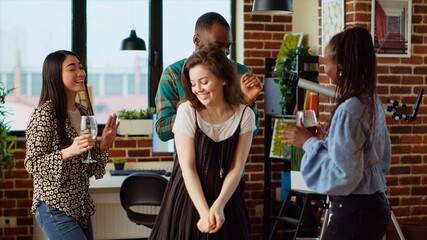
216	135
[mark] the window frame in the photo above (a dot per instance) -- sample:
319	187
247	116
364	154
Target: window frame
155	42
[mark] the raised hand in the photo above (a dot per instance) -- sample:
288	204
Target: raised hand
109	132
251	87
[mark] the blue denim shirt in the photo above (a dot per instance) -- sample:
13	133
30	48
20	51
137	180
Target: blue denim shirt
343	164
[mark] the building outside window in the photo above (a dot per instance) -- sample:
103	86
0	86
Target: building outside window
31	29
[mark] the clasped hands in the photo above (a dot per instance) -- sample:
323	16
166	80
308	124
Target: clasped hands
211	221
297	135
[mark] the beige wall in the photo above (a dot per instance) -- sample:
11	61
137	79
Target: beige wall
240	46
305	19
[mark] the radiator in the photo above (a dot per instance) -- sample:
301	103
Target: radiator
111	222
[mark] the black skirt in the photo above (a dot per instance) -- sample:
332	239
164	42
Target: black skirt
178	217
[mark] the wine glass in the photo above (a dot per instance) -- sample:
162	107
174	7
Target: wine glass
89	125
308	119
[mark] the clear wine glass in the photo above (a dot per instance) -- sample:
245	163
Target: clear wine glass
308	119
89	125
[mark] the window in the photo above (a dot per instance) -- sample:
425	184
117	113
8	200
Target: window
119	78
178	29
31	29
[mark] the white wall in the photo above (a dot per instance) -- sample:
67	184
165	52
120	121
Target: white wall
240	48
305	19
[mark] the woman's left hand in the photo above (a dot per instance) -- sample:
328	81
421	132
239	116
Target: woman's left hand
109	133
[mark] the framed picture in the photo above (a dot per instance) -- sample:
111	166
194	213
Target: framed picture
391	27
290	41
332	20
277	149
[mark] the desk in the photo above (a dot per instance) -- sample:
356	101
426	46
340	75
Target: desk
110	220
112	183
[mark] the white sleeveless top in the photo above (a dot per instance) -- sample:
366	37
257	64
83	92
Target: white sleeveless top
185	122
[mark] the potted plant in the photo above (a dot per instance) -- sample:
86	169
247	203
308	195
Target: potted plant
119	163
7	142
286	66
297	181
135	121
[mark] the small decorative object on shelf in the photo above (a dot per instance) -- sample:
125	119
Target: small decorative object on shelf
136	121
297	181
119	163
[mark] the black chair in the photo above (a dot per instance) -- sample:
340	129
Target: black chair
142	189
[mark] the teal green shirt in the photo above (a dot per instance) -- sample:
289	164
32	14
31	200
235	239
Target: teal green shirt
170	93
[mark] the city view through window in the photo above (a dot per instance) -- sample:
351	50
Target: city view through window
31	29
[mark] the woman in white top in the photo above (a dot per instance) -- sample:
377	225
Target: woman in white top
213	135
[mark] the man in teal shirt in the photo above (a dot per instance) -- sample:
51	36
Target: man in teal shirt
211	29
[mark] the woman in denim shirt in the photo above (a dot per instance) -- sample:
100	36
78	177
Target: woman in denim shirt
350	161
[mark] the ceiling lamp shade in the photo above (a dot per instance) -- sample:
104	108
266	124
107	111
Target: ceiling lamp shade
133	42
273	6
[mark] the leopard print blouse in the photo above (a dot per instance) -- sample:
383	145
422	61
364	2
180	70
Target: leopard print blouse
61	185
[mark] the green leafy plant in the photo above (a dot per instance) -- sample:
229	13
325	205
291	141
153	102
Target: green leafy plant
7	142
142	113
286	66
118	160
296	157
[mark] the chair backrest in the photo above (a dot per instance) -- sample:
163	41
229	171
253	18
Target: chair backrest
142	189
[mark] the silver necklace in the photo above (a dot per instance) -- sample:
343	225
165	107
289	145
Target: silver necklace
216	134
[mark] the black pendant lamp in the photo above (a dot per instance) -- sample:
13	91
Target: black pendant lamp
273	6
133	42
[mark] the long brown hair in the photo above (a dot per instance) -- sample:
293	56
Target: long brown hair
217	62
354	53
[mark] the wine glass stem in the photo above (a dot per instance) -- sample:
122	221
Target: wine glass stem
89	156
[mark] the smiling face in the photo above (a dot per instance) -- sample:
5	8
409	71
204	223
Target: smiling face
73	75
207	87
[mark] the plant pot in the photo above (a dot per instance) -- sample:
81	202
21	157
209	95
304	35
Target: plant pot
135	127
119	166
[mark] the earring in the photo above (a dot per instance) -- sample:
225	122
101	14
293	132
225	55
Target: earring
340	74
196	39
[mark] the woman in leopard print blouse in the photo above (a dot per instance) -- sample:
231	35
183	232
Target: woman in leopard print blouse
55	149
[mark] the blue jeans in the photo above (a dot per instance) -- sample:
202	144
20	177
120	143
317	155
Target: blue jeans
356	217
56	225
